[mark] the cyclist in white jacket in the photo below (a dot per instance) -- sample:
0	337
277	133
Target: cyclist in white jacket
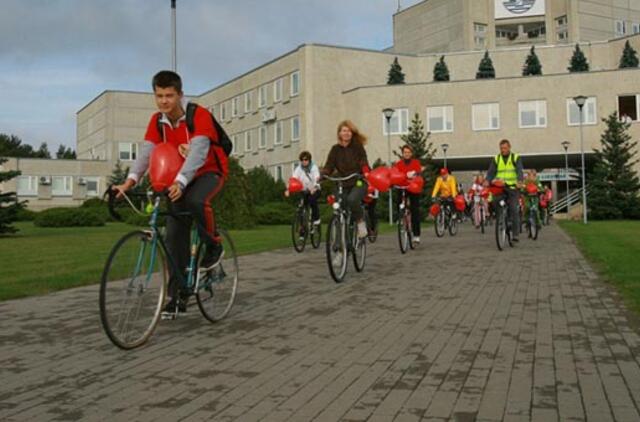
309	174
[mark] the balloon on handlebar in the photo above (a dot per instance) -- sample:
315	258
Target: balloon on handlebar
416	185
295	185
164	165
459	203
435	209
379	179
532	189
397	177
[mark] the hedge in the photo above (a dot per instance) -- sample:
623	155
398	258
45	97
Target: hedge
70	217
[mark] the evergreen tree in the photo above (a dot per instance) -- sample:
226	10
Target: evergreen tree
43	151
423	150
396	77
579	61
532	65
12	146
264	188
629	57
65	153
486	69
613	184
441	71
9	205
119	174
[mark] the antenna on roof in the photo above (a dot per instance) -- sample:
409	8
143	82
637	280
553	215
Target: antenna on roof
399	6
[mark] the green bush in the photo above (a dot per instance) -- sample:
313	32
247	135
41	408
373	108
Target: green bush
233	207
264	188
26	215
93	203
69	217
274	213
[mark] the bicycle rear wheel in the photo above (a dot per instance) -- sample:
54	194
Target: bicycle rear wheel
216	288
132	289
299	230
336	248
403	232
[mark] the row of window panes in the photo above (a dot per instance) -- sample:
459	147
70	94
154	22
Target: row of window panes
127	151
278	89
486	116
60	185
621	27
263	134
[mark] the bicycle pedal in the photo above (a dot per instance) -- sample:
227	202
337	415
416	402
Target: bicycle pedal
169	316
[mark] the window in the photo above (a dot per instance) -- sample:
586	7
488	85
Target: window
486	116
561	21
223	111
440	119
399	122
234	143
27	186
621	27
248	101
61	185
589	112
635	28
93	186
628	107
277	133
563	35
295	129
262	142
295	84
480	35
247	141
277	90
277	172
262	96
127	151
533	114
234	106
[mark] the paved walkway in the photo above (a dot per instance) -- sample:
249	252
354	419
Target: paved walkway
453	331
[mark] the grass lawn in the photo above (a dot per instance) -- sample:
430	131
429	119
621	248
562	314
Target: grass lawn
41	260
613	248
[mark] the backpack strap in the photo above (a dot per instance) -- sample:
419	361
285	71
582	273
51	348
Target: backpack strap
191	112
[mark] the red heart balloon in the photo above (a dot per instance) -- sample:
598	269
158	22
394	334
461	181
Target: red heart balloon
164	164
379	179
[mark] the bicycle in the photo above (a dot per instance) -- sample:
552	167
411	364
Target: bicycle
533	217
405	229
479	207
302	227
446	219
342	235
503	218
134	279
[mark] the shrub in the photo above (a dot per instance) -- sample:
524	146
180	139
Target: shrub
233	206
26	215
69	217
274	213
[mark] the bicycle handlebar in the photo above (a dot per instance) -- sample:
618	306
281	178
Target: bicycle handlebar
343	179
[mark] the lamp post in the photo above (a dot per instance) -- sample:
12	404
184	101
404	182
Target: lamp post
565	145
388	114
580	102
445	147
174	58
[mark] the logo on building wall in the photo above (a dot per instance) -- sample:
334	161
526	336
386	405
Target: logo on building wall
518	8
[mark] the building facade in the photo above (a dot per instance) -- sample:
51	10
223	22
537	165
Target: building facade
296	101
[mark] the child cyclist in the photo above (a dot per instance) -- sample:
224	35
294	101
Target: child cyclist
412	168
308	173
530	200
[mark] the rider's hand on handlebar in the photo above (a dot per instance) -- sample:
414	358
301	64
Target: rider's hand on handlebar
175	192
520	185
128	184
286	193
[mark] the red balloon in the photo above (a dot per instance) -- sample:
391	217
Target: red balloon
416	185
164	165
532	189
379	179
397	177
435	209
460	203
295	185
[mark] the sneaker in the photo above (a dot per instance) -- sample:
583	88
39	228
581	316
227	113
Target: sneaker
416	239
362	230
212	257
172	309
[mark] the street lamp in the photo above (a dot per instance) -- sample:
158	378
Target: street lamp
388	114
565	145
445	147
580	102
174	56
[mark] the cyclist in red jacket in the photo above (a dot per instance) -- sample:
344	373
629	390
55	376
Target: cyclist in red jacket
412	168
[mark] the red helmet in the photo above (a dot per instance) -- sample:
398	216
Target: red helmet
444	171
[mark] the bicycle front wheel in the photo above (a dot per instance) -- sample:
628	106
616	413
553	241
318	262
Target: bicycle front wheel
440	224
316	235
453	225
482	220
216	288
359	249
132	289
299	230
403	233
501	229
336	247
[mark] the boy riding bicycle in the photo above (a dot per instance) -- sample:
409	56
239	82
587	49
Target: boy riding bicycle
199	180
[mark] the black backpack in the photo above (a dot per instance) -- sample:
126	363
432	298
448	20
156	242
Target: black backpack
223	139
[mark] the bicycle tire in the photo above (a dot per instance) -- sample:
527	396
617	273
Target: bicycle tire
482	220
138	260
453	225
316	235
335	243
439	224
358	250
216	289
372	234
501	229
297	225
403	233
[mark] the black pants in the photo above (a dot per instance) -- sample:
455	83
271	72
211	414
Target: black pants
354	196
513	202
414	207
311	200
371	211
196	199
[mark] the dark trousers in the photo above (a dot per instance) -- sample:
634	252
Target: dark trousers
354	196
371	211
414	207
512	198
196	199
311	200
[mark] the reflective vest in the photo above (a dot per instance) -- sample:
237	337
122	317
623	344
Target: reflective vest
507	172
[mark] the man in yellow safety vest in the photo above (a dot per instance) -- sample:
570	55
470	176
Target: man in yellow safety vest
507	166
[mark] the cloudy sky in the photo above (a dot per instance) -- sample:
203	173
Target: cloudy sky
55	56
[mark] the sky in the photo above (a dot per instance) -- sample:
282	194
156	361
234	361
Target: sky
56	56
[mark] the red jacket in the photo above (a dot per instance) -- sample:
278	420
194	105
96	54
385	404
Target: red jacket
414	165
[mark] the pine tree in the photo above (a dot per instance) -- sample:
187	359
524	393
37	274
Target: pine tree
65	153
396	77
9	205
441	71
486	69
43	151
119	174
579	61
629	57
532	65
422	149
614	186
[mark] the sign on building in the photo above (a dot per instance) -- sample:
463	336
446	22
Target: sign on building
506	9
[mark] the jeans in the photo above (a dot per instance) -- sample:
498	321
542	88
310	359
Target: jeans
354	197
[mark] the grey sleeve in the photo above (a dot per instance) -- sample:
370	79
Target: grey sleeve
520	169
141	164
491	173
198	150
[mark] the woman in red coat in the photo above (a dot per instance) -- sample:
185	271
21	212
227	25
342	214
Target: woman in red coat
412	168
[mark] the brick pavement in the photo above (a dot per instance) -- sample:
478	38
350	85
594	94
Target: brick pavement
454	331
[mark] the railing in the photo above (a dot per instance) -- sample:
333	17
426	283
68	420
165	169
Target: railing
567	201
